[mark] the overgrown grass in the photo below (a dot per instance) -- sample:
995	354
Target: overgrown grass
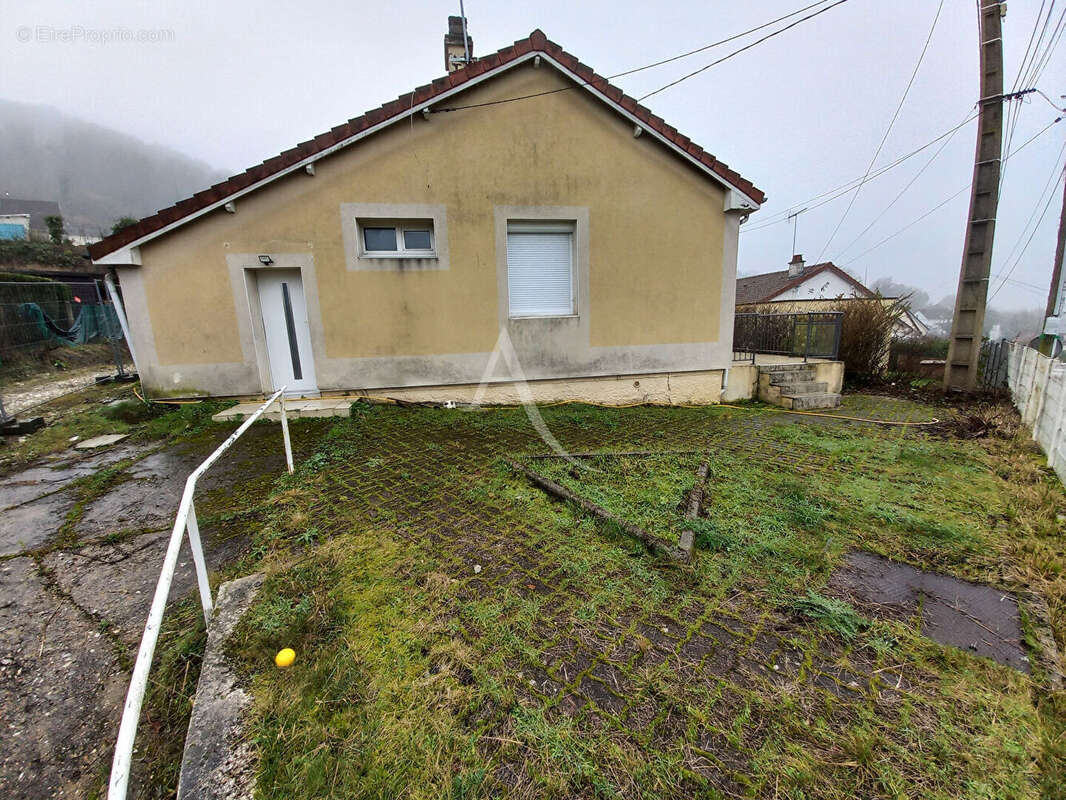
445	613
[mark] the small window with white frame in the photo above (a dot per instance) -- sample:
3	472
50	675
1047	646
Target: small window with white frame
540	269
408	238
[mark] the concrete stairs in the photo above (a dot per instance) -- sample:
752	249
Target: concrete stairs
794	386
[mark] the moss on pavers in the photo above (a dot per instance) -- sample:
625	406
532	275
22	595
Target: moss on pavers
459	634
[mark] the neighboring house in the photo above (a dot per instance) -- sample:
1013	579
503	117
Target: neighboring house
824	281
37	210
389	253
82	239
14	226
818	287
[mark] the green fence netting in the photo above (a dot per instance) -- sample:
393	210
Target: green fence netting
93	323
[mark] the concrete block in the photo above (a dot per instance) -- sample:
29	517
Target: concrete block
219	760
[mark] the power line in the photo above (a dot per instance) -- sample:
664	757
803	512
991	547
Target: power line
906	227
1029	45
1040	199
902	192
1024	67
1030	71
635	69
1060	171
943	203
1018	260
742	49
888	130
844	188
1050	49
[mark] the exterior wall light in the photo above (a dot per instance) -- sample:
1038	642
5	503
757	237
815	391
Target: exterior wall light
266	261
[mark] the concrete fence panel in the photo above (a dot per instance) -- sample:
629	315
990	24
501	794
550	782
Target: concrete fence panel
1038	388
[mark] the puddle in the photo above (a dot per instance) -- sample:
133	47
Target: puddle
980	619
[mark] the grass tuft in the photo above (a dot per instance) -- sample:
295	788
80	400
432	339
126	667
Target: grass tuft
832	614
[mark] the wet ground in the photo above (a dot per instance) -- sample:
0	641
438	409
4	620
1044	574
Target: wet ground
25	395
981	619
78	567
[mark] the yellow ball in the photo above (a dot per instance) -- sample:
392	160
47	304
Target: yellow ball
285	657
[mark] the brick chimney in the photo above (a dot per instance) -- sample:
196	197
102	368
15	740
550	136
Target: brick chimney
795	266
455	54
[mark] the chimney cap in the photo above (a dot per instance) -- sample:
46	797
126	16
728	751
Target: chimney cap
797	259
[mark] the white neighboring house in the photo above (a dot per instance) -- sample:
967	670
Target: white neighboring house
801	283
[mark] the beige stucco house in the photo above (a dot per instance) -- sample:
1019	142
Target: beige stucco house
521	193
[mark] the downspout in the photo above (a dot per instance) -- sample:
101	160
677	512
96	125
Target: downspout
120	312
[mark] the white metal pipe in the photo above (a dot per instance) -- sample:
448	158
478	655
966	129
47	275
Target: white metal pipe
131	712
198	559
285	434
120	312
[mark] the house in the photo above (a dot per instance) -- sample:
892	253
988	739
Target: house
818	287
825	281
37	211
521	194
14	227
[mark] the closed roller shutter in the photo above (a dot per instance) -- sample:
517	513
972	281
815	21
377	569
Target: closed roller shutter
540	271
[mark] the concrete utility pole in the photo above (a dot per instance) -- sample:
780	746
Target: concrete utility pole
964	349
1053	316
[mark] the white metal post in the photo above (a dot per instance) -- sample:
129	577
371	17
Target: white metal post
285	434
201	566
120	312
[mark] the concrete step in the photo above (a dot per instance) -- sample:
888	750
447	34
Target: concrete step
294	409
807	402
789	378
779	368
803	387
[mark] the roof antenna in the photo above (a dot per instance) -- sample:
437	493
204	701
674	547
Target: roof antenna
795	225
466	41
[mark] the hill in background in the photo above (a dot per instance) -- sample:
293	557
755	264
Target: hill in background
95	173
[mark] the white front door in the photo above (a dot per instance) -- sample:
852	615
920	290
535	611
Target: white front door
288	336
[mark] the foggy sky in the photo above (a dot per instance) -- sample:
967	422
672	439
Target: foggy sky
239	81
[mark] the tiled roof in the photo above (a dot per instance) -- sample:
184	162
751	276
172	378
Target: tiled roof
765	287
536	42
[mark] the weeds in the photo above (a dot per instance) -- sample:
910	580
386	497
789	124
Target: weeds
832	614
566	666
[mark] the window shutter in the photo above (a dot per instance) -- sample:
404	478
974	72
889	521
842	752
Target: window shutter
540	273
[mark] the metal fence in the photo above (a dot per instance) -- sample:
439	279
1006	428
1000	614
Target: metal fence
49	324
992	365
803	335
39	314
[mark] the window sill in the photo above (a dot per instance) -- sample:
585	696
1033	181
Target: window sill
546	316
397	256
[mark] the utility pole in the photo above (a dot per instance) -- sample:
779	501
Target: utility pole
1053	316
964	348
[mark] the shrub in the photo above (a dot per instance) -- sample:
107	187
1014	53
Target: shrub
866	336
908	353
55	228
